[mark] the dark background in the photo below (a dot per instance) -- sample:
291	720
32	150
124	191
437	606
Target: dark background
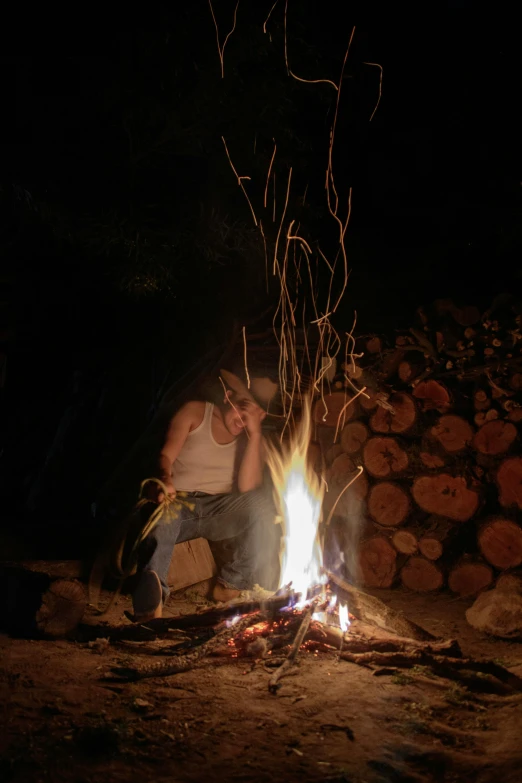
128	252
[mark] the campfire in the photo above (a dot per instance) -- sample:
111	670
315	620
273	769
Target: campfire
310	610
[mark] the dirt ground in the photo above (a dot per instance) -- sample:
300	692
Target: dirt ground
65	718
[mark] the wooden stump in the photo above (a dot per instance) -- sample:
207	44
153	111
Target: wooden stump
36	603
453	433
422	575
446	496
353	437
333	409
401	419
377	562
384	457
432	395
509	481
500	541
388	504
495	437
469	577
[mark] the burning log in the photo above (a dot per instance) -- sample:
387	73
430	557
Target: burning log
372	610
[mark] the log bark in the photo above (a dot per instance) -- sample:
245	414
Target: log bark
384	457
453	433
377	562
401	419
495	437
353	437
334	409
432	395
388	504
470	576
422	575
500	542
445	496
509	481
372	610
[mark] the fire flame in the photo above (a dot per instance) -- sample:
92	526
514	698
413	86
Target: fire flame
299	496
344	622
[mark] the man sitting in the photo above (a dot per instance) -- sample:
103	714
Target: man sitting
212	465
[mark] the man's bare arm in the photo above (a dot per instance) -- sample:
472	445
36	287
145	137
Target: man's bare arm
250	474
184	421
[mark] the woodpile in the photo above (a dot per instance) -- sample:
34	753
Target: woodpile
439	503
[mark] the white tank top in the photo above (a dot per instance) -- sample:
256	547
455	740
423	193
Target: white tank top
204	465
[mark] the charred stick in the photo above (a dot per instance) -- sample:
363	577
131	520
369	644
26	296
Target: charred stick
294	650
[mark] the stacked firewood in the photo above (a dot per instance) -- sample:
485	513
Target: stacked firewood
437	432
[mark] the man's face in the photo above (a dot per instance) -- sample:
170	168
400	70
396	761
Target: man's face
237	412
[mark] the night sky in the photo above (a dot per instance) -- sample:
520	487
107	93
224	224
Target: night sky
128	251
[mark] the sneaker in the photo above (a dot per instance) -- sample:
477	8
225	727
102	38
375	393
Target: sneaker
147	599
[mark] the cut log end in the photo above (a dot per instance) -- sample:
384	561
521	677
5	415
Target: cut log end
353	437
495	437
422	575
405	542
470	578
388	504
509	480
62	608
500	541
401	418
384	457
446	496
377	562
453	433
432	395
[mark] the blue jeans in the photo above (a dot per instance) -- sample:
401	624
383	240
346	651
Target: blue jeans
247	519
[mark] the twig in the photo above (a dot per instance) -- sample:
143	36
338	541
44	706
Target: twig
294	650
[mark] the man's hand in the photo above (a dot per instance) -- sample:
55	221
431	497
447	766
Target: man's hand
252	416
157	494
